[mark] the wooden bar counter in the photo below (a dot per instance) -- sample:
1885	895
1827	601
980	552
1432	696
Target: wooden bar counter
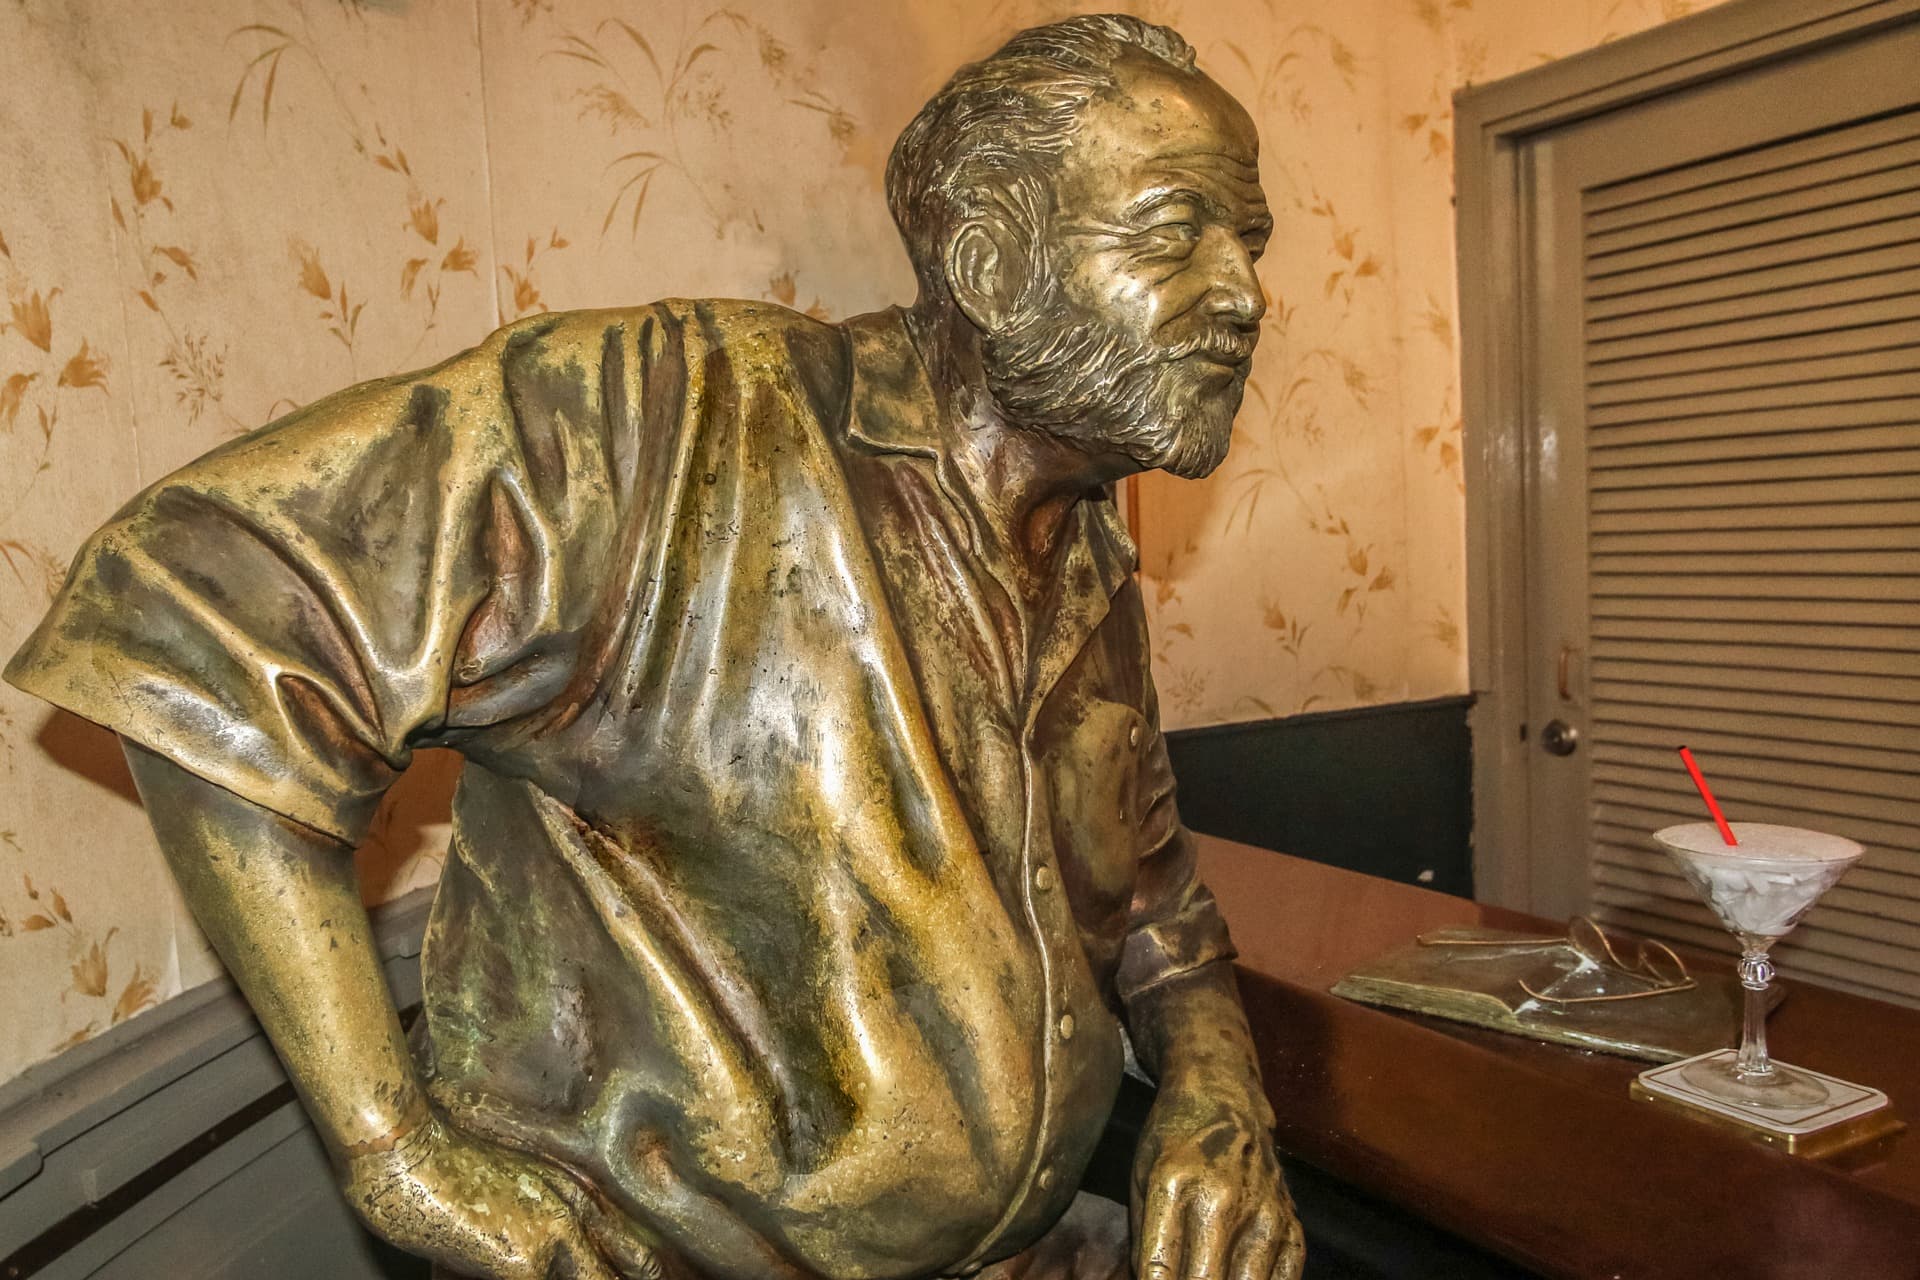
1534	1151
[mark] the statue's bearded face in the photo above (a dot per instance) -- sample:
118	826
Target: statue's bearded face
1137	329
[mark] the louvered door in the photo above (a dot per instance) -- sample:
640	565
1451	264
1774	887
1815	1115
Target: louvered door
1729	528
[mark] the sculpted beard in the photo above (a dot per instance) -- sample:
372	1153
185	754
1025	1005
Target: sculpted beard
1063	370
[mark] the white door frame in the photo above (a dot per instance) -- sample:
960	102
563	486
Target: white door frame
1491	125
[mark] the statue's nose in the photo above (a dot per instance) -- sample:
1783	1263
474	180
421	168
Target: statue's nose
1236	292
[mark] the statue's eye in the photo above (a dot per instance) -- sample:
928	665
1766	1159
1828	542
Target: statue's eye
1177	234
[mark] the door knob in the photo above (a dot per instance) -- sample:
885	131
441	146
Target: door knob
1559	737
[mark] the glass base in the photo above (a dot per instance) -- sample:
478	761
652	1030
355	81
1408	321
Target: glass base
1779	1088
1844	1116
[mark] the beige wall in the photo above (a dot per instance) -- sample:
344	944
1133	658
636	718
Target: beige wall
213	211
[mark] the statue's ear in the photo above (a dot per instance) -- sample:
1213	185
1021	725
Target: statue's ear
986	272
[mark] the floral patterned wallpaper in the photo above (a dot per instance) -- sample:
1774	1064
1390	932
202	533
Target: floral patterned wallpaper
216	210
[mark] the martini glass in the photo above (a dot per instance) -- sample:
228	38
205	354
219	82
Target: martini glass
1759	888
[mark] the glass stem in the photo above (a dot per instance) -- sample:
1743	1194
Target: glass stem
1756	972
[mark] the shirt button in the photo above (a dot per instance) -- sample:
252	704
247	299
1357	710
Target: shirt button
1046	1179
1133	736
1066	1026
1043	878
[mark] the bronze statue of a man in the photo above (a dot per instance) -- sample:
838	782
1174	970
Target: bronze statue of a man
816	839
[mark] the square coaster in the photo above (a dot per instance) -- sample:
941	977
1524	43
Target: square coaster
1852	1114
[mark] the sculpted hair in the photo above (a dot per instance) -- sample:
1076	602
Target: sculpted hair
988	140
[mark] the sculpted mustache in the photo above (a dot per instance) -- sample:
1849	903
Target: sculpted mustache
1231	348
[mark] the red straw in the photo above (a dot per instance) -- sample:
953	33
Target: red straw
1706	793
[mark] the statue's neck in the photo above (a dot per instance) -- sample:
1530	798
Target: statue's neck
1025	482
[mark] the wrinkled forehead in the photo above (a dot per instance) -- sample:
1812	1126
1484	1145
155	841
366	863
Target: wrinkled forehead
1161	129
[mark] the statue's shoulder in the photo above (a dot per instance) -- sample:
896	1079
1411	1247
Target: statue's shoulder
761	342
556	356
718	321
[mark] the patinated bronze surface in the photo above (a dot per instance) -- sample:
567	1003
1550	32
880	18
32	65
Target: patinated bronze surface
816	840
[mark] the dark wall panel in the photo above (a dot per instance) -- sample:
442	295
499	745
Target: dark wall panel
1384	790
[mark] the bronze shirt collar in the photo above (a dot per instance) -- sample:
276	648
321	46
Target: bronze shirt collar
895	408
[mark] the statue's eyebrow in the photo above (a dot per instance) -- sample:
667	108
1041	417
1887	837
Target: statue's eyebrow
1259	218
1158	200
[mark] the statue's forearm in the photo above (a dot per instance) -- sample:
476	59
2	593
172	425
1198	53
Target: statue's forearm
280	904
1190	1032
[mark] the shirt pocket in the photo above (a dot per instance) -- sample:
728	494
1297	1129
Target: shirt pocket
1093	777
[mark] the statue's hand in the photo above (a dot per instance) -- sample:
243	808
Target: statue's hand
480	1210
1208	1199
